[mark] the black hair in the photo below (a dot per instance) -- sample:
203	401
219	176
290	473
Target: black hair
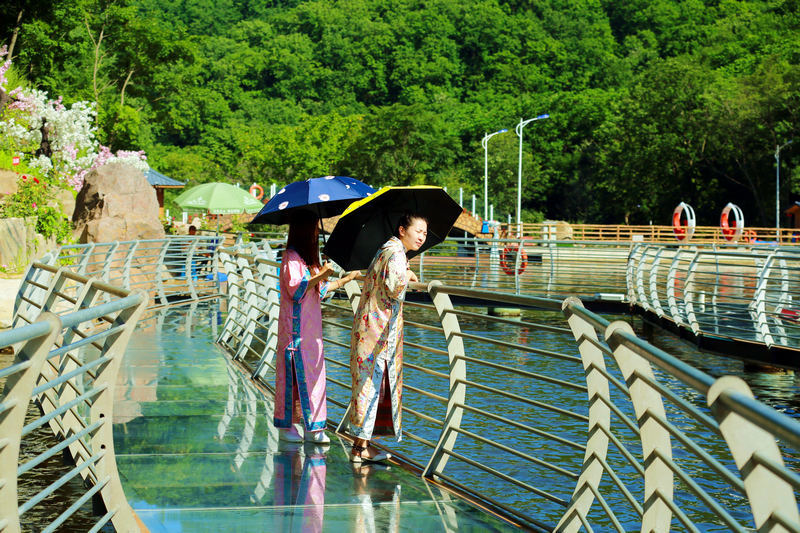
406	219
304	237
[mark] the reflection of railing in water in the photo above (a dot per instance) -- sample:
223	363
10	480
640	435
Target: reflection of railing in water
493	416
67	355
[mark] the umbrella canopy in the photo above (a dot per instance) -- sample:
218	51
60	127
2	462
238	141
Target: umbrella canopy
326	197
367	224
218	199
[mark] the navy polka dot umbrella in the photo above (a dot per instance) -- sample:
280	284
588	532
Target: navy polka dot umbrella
325	197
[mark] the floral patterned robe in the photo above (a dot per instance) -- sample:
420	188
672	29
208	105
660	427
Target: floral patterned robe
376	346
299	347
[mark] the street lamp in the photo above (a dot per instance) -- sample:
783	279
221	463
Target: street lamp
518	129
485	143
778	188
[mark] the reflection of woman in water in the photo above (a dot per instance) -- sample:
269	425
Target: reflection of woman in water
376	344
300	365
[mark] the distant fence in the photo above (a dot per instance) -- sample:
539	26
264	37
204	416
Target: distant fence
604	431
66	356
558	230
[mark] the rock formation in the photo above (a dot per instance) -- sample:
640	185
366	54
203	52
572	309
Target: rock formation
116	204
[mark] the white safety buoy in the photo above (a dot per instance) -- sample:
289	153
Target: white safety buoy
732	229
683	232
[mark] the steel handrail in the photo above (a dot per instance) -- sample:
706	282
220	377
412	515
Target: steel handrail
615	438
73	391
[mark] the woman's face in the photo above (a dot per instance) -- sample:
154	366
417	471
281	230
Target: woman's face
413	237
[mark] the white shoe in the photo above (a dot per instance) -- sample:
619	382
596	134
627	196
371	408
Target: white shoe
289	435
317	437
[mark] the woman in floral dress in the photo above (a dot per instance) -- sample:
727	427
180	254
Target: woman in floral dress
376	344
300	364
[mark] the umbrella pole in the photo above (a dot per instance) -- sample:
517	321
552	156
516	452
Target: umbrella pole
322	231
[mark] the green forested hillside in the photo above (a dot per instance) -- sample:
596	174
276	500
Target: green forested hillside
651	102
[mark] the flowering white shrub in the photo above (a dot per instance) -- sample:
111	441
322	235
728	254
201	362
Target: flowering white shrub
31	118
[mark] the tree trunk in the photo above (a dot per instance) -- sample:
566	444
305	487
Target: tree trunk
14	35
45	148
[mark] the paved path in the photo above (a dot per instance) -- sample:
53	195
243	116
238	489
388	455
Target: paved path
197	451
8	294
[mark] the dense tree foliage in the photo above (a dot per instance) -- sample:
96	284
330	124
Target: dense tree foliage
651	102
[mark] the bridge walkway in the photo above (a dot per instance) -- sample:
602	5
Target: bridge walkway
197	451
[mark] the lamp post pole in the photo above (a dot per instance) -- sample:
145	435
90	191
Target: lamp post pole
778	188
518	129
485	144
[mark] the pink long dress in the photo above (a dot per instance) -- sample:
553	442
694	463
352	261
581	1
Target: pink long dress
376	346
299	348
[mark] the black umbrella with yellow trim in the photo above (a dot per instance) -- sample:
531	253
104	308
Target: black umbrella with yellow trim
367	224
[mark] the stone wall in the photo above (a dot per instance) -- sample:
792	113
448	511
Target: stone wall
18	244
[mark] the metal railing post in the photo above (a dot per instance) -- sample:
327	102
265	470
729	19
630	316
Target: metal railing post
674	310
251	312
689	294
102	441
457	375
233	294
656	446
161	270
126	269
16	398
632	281
599	419
653	280
271	310
353	292
758	307
770	496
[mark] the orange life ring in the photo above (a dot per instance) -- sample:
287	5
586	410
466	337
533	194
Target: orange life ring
508	259
677	227
751	236
257	191
728	230
683	232
732	228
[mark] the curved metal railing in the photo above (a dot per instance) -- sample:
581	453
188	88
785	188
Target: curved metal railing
65	360
748	295
175	267
604	431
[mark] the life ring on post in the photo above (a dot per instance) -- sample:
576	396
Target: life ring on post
732	229
508	259
683	232
257	191
751	236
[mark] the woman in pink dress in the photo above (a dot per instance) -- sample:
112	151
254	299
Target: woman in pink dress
376	344
300	364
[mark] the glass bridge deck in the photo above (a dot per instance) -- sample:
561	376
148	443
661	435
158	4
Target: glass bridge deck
197	451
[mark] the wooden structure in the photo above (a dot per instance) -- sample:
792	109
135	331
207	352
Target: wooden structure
160	182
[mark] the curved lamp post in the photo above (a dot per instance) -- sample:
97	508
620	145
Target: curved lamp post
778	188
485	143
518	129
